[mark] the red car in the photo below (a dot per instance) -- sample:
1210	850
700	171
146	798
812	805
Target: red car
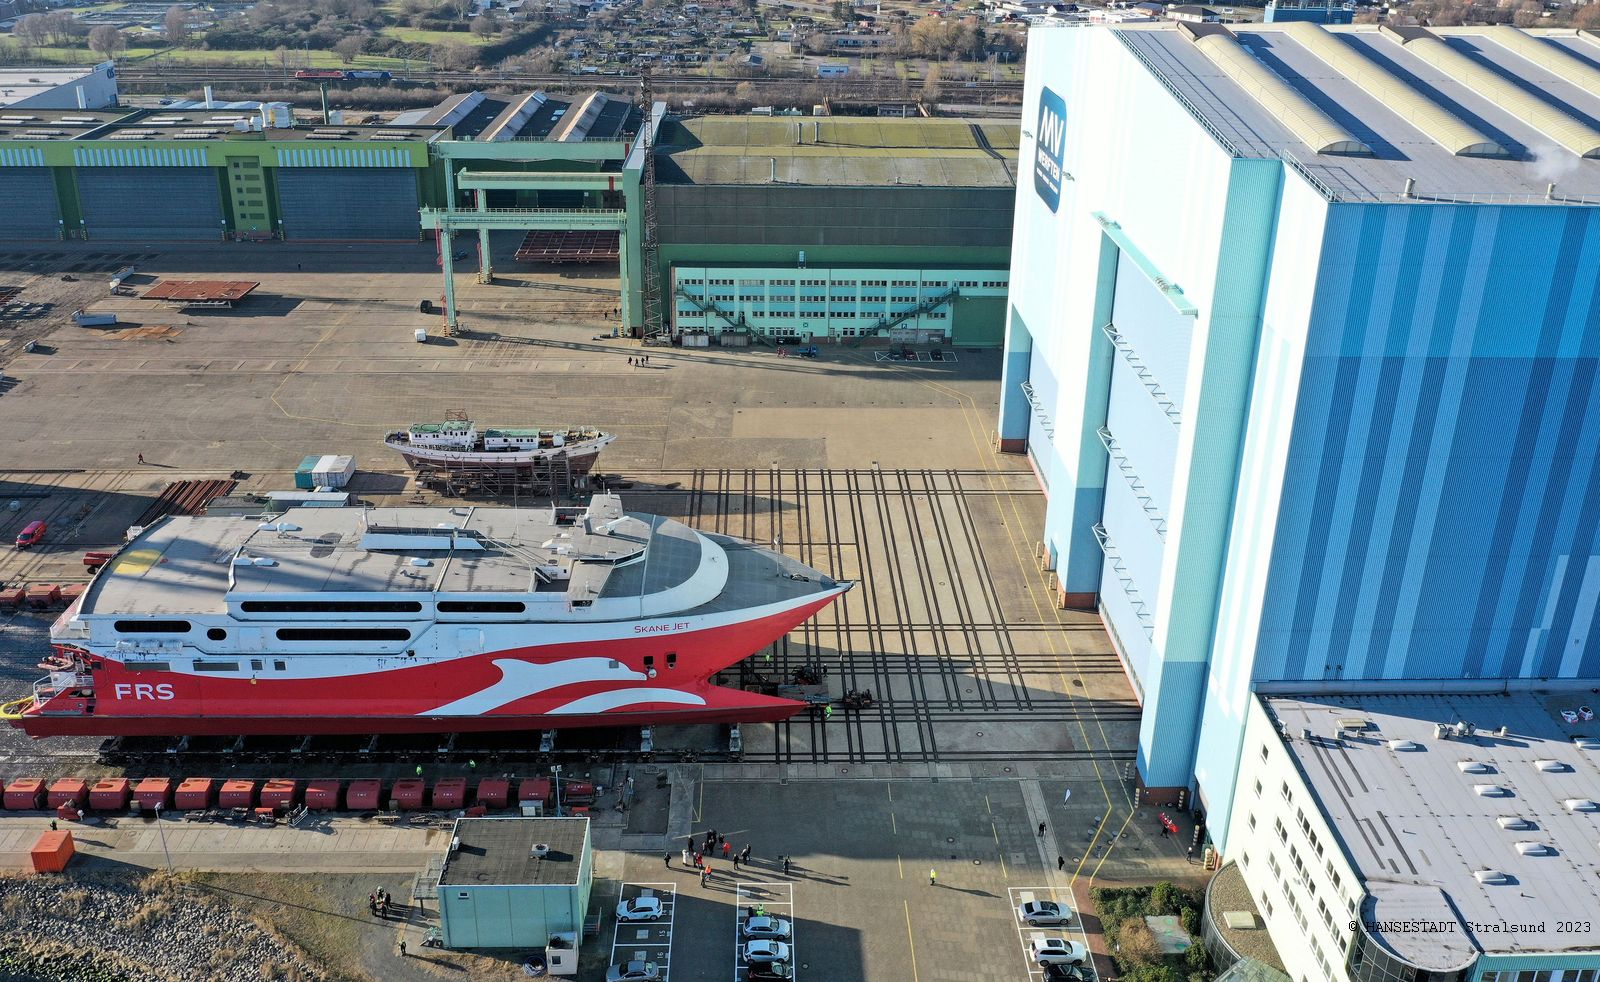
32	535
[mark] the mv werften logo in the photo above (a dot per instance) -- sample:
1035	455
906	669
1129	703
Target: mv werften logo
1050	142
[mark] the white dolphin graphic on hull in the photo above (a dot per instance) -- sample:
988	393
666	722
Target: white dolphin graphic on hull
520	679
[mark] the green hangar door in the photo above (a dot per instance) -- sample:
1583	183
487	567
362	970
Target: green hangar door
151	203
28	206
348	202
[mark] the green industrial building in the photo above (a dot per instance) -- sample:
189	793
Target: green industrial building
828	228
515	882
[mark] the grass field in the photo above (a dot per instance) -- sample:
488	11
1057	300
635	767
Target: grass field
411	35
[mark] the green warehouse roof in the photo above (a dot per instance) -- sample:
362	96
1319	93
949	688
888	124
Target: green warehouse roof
839	151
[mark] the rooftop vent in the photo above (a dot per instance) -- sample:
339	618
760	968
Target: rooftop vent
1516	823
1535	849
1582	805
1586	742
1552	766
1491	791
1353	724
1474	767
1240	920
1493	877
1404	745
541	849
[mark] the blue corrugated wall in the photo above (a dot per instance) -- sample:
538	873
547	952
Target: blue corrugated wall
1442	499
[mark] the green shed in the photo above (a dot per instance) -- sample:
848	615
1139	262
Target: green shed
515	882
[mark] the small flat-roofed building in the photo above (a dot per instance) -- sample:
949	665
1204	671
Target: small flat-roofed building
515	882
1384	835
59	88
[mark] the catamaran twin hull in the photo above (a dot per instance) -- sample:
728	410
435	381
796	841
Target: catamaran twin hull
466	655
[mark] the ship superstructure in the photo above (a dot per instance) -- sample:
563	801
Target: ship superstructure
458	454
331	620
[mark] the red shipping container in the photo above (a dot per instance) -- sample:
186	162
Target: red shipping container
407	794
237	793
533	789
577	791
43	594
153	792
110	794
322	794
450	793
194	793
68	812
52	852
68	789
364	795
25	793
280	792
494	792
72	591
12	597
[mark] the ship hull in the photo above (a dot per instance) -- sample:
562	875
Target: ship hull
580	683
500	463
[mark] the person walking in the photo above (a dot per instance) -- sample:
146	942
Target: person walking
419	770
705	876
786	865
402	947
727	848
933	877
686	857
735	860
1061	862
141	458
1041	828
666	860
699	859
745	854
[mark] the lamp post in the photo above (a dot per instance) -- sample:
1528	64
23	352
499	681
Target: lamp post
163	833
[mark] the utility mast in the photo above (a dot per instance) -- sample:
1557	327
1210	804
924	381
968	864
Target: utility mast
650	249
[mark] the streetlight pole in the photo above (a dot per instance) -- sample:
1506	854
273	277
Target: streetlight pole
163	833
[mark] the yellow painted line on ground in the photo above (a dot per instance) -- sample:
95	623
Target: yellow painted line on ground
968	407
988	807
912	942
901	865
892	826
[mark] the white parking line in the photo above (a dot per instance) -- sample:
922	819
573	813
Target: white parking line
646	941
1072	931
773	899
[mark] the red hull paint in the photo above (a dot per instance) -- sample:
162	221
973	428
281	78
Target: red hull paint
399	700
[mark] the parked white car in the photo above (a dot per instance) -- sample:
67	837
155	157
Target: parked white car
640	909
765	951
1058	951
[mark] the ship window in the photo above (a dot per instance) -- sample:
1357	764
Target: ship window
331	606
216	666
649	661
255	664
343	634
217	634
481	606
152	627
279	666
672	659
148	666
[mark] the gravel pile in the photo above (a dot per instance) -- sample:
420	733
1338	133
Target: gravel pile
111	929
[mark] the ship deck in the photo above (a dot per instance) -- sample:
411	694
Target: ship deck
183	565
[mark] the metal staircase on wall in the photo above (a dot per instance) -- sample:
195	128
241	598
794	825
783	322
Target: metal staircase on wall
707	306
926	306
1146	376
1142	493
1140	608
654	326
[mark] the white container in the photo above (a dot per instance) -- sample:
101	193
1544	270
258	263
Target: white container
333	471
421	334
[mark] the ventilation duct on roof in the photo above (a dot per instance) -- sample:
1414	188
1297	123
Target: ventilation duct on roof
1404	745
1555	60
1396	94
1475	767
1552	766
1493	877
1516	823
1577	136
1313	127
1535	849
1491	791
1582	805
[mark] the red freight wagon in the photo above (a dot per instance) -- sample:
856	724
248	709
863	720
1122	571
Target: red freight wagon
194	793
407	794
43	595
12	597
110	794
153	792
450	793
72	591
25	793
322	794
280	792
364	795
577	793
68	789
494	792
533	789
237	793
